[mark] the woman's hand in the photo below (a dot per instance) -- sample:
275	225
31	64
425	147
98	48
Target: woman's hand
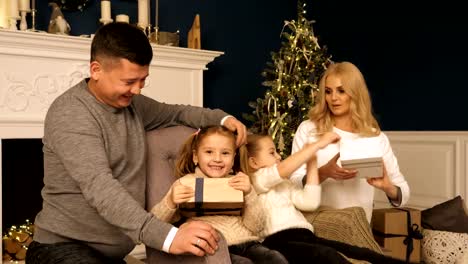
180	194
241	182
332	170
383	183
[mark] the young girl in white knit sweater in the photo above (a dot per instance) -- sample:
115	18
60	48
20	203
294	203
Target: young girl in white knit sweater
211	152
286	229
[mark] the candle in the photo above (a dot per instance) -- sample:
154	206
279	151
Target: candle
143	13
14	11
33	4
149	13
122	18
105	10
3	14
24	5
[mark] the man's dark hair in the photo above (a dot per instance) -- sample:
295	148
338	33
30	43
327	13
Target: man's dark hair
121	40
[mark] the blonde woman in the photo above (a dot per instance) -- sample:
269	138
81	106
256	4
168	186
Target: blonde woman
344	107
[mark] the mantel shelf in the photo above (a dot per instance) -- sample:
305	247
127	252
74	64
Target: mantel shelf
42	44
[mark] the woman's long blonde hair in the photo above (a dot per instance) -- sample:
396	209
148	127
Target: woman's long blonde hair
354	85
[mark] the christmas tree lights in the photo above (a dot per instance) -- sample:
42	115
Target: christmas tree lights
291	78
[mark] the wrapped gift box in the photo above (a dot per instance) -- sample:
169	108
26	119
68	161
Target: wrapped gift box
366	167
213	196
390	228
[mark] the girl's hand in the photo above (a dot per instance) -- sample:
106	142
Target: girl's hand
327	138
180	193
383	183
241	182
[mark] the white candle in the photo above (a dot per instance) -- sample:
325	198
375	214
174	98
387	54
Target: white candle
24	5
14	11
105	10
156	15
122	18
143	13
149	13
3	14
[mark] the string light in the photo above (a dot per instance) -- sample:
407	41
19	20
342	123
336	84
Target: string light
292	85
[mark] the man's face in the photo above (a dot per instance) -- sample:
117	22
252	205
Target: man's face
115	82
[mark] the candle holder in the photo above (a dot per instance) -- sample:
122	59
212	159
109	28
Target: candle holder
12	23
105	21
148	31
154	36
33	20
23	23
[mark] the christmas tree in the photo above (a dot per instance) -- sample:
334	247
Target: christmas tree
291	78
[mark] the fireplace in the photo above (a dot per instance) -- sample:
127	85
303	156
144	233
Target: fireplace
38	67
23	169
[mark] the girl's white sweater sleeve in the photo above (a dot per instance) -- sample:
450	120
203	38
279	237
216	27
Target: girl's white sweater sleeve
253	216
308	198
266	178
163	212
301	137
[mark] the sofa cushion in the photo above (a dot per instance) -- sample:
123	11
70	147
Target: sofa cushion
163	149
447	216
443	247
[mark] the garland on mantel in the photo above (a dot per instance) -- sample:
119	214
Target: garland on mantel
16	241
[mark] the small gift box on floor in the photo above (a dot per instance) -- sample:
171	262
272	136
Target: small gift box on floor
397	230
213	196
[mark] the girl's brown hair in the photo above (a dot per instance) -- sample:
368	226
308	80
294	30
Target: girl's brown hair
185	163
250	150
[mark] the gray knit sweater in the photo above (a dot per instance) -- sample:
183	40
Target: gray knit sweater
95	170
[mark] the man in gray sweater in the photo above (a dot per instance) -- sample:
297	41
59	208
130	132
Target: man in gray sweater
95	161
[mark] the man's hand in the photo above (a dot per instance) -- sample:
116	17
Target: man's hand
195	237
332	170
235	125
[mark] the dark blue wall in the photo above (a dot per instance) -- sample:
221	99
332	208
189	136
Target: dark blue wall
412	53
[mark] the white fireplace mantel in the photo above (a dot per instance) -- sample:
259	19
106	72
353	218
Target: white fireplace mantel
37	67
